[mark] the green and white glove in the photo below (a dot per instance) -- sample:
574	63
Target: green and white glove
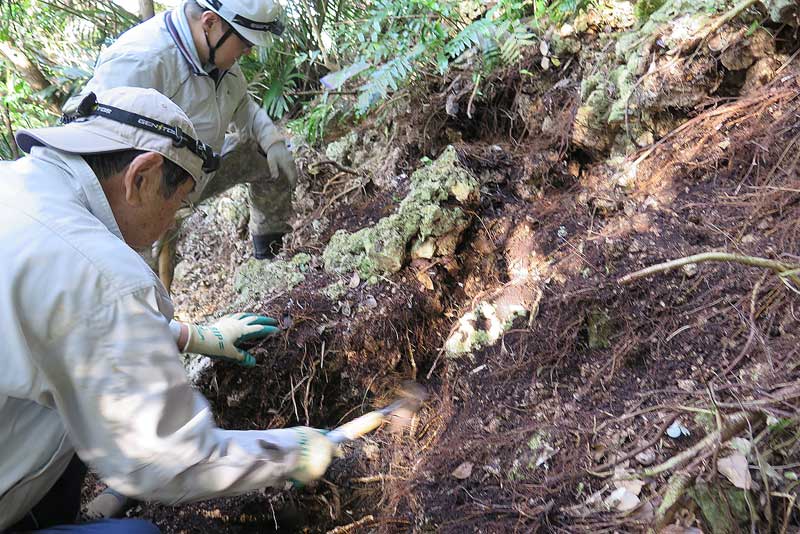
315	454
281	163
221	339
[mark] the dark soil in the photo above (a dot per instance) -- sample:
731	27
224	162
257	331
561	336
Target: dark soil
595	373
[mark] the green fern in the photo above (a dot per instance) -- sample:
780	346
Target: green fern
388	77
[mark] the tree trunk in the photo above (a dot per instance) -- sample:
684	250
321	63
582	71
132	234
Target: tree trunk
29	71
146	9
12	143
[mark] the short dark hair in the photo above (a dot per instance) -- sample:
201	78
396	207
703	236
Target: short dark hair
109	164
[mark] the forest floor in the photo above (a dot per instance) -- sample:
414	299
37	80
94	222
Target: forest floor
564	423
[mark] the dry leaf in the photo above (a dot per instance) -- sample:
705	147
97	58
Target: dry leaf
545	63
425	280
544	48
735	469
354	281
463	471
622	500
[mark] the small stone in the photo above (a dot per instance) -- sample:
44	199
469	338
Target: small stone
646	457
689	270
354	280
463	471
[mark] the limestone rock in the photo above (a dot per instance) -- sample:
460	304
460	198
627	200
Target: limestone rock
424	215
256	279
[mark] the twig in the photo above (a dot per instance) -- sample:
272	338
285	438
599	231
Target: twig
472	96
736	423
348	528
338	196
380	477
659	434
788	514
753	261
433	367
315	167
752	335
732	13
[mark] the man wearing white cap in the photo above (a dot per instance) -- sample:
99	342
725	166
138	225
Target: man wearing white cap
91	372
190	54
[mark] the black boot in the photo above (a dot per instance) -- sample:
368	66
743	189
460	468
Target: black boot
267	246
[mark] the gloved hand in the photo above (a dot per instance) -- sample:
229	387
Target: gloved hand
221	338
281	163
315	454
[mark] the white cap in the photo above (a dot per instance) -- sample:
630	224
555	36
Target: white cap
255	20
96	134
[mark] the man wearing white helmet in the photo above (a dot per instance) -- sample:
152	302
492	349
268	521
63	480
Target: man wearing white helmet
91	372
190	54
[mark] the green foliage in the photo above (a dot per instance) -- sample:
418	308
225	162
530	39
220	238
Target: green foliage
379	47
61	39
644	8
315	119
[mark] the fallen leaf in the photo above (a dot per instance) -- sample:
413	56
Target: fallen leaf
544	48
623	478
622	500
425	280
463	471
734	468
545	63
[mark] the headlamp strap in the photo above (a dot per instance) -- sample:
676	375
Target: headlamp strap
89	106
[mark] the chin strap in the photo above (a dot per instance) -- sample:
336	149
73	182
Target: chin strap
212	50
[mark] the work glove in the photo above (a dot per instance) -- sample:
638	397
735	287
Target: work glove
315	452
220	339
281	163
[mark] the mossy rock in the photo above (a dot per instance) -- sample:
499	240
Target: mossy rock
425	213
724	509
257	279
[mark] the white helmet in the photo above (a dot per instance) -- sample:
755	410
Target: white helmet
255	20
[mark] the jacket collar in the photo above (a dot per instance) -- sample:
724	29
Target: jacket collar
178	27
84	181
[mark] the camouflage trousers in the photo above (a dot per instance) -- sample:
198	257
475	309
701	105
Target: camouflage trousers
270	199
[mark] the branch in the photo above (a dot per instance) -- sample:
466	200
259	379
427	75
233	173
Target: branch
28	70
736	423
780	268
10	129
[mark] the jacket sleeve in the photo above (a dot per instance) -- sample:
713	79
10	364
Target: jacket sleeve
126	402
255	123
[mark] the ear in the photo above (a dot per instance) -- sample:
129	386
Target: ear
142	178
208	18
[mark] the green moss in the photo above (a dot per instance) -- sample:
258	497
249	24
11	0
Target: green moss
725	511
383	248
644	8
257	279
599	329
335	290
